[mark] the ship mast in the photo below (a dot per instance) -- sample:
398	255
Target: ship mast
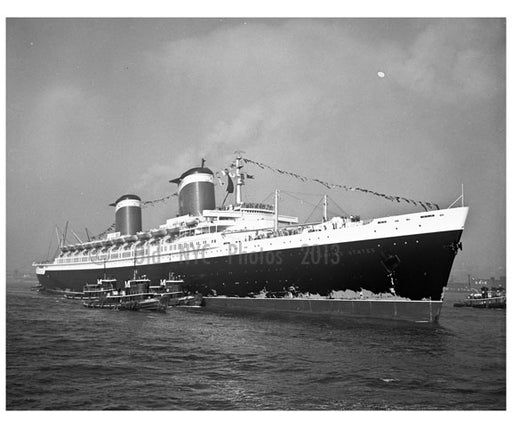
276	197
325	209
59	239
76	236
238	179
65	233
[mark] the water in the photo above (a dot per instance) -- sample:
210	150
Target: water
61	355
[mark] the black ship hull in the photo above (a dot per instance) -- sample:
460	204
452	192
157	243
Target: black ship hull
414	266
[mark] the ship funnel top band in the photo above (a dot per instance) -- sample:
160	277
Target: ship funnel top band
191	171
128	203
195	178
125	197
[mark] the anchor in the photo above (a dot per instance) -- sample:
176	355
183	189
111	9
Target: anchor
454	247
390	263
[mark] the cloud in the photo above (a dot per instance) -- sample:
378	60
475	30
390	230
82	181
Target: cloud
451	59
285	88
153	177
63	122
241	72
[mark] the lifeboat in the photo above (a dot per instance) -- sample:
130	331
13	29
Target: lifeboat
173	230
157	233
131	238
192	223
119	240
143	235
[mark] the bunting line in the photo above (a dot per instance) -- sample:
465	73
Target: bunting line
145	204
157	201
425	205
102	234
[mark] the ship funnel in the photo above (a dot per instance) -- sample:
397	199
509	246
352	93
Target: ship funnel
128	214
196	191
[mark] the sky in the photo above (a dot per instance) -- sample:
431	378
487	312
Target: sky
97	108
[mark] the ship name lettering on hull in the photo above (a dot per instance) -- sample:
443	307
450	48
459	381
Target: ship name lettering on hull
330	255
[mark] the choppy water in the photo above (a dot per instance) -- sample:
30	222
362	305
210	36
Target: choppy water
61	355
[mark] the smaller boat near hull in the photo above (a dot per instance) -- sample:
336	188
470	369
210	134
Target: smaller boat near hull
489	303
151	304
135	296
172	289
100	304
495	298
74	295
191	300
121	303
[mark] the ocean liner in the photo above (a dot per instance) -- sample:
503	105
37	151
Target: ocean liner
244	255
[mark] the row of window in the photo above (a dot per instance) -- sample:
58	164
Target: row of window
113	254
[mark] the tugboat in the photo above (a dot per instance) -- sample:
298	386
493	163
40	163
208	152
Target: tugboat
94	294
172	288
139	296
135	295
494	298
